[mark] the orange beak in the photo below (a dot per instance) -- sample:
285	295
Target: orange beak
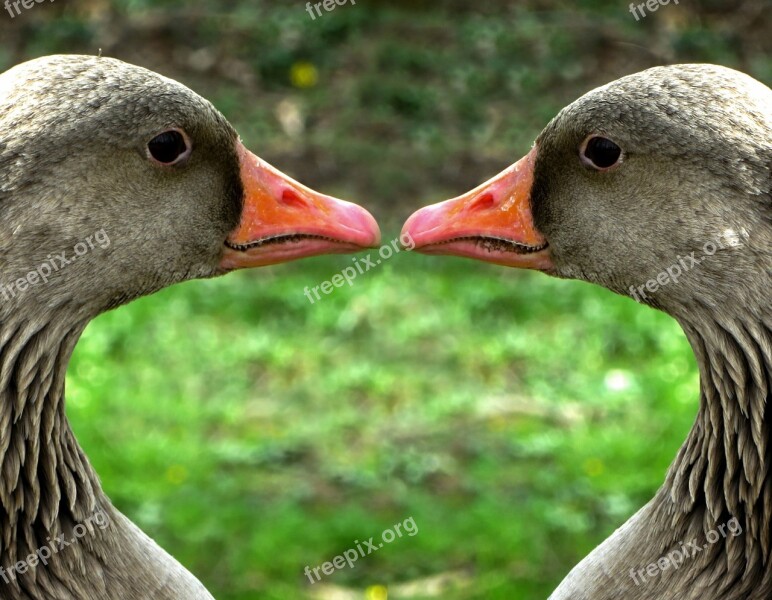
492	223
283	220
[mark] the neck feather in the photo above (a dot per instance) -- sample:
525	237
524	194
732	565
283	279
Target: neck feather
723	470
46	482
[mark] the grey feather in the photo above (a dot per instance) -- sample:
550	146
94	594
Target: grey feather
697	143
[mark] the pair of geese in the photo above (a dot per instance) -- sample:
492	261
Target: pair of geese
619	187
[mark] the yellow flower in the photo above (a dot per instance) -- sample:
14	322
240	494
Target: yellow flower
377	592
594	467
176	474
304	75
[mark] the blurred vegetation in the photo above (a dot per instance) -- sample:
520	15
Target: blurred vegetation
518	419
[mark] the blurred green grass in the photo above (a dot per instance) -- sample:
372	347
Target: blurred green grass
517	418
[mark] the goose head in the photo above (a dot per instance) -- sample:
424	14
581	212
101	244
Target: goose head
658	186
151	178
661	177
114	183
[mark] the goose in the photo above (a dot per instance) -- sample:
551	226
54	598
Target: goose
115	182
658	186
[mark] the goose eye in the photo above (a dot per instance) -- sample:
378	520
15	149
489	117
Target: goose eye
601	153
169	147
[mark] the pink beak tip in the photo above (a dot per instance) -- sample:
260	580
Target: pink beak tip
371	232
420	223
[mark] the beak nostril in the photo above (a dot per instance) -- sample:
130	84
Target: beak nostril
292	198
482	202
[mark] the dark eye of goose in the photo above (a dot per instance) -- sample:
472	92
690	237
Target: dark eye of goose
600	152
169	147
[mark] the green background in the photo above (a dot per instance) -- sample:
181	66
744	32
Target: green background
518	419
